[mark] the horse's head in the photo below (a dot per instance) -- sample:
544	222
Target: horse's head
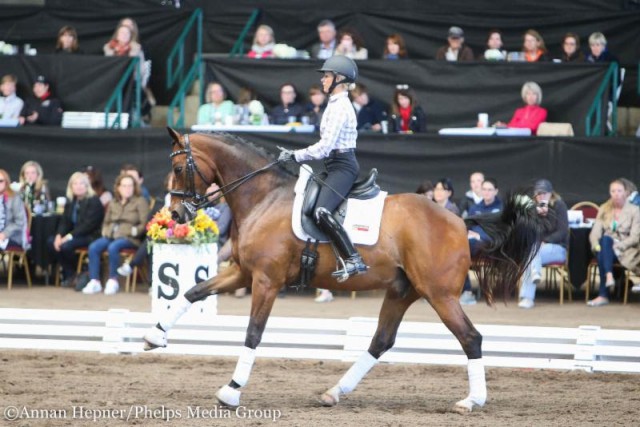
190	183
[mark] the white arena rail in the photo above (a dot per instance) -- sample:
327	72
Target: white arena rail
589	348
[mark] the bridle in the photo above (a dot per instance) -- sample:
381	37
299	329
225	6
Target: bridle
196	200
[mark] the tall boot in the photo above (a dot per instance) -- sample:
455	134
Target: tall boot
352	259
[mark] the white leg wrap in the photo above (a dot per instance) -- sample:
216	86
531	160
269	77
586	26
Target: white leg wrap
477	386
172	315
355	374
244	366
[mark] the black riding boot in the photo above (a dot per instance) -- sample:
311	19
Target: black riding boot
352	259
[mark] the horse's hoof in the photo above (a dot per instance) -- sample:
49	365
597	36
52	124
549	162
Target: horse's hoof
228	396
465	406
155	338
330	397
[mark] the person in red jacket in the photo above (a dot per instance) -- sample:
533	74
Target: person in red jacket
532	114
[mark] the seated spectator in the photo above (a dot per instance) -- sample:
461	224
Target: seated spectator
325	48
533	47
34	189
615	238
571	48
79	225
97	184
136	173
42	108
494	51
555	239
13	216
455	50
263	43
442	194
532	114
395	47
288	110
10	104
406	113
123	227
631	191
249	110
67	41
598	51
369	111
426	189
351	45
473	195
315	107
218	110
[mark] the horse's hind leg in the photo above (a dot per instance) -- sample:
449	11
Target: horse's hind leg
395	304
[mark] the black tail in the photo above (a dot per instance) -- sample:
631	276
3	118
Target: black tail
515	239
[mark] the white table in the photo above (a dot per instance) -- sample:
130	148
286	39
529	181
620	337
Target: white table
254	128
485	131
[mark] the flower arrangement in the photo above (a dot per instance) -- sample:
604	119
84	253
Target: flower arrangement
200	230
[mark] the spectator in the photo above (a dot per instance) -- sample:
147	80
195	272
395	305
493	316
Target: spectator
122	229
631	191
442	194
33	187
42	108
288	110
218	110
533	47
136	173
571	48
124	43
369	111
532	114
316	106
395	47
13	217
263	43
615	237
97	183
248	109
351	45
327	45
79	225
598	51
426	189
149	99
555	239
494	51
474	194
10	104
406	113
455	50
67	41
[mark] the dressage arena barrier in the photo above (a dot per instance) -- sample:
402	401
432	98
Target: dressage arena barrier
117	331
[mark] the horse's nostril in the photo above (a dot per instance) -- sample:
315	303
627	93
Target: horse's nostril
175	216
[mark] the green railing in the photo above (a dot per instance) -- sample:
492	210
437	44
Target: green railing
238	46
118	94
594	121
178	74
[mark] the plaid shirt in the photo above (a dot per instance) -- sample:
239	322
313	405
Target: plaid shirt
337	129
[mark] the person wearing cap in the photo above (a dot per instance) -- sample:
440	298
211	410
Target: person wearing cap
10	103
455	50
338	134
555	239
42	108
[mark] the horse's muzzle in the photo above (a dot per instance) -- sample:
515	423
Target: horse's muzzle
178	214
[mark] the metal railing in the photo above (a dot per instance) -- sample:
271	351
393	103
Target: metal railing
594	120
118	94
178	74
238	46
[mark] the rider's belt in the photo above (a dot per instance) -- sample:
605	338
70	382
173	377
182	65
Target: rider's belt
342	151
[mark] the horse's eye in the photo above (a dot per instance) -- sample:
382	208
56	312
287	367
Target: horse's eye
177	170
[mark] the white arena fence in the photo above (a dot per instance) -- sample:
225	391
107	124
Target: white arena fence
588	348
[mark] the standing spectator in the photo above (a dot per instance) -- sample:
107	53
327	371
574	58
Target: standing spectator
136	173
455	50
598	51
288	110
10	104
13	217
494	51
395	47
615	237
263	43
327	45
406	113
442	194
474	195
533	47
124	43
97	184
351	45
532	114
571	48
33	187
67	41
42	108
79	225
316	106
553	248
218	108
370	112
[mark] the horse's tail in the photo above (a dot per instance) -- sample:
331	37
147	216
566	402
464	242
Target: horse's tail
515	239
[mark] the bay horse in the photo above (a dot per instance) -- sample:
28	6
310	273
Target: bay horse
422	252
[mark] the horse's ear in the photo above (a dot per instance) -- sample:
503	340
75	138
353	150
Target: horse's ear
174	135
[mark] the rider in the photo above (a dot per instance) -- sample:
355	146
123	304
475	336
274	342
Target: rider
337	145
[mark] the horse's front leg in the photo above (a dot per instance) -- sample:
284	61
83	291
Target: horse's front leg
264	291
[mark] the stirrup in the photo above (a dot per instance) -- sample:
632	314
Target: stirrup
353	265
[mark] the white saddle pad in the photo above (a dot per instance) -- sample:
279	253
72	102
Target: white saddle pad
363	219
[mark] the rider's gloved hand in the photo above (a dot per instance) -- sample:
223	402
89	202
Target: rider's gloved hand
286	155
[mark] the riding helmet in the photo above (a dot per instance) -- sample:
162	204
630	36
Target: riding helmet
342	65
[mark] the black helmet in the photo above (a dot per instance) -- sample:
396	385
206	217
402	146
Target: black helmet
342	65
